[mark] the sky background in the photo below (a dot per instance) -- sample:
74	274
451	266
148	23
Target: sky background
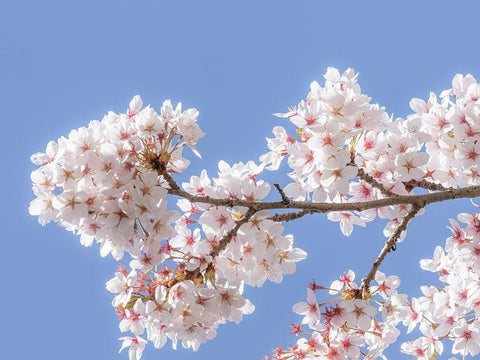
63	63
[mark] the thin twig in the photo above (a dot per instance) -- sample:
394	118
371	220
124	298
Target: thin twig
170	181
374	182
389	244
290	216
363	175
233	232
425	185
285	199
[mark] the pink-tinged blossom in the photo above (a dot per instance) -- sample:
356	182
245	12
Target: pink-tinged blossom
473	225
440	263
48	156
309	309
346	281
42	207
466	339
279	147
422	107
135	319
351	344
386	285
135	346
150	256
336	180
395	309
122	285
198	184
360	314
434	343
414	315
409	165
347	219
418	349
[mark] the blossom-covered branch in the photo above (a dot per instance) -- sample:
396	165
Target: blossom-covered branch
323	207
228	236
191	254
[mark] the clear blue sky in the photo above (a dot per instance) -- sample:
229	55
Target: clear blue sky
64	63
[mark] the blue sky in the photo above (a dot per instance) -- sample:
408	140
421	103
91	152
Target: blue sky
64	63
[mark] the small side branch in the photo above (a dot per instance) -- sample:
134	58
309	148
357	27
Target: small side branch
390	244
285	199
173	185
410	185
290	216
375	183
233	232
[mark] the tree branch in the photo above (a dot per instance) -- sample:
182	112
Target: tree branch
417	202
290	216
425	185
466	192
389	245
375	183
228	236
363	175
285	199
170	181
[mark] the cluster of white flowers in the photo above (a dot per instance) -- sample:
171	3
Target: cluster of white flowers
101	182
450	132
339	133
109	182
354	323
188	302
451	311
364	322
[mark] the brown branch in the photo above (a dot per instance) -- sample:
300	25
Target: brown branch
363	175
426	185
417	202
290	216
390	244
375	183
228	236
285	199
170	181
466	192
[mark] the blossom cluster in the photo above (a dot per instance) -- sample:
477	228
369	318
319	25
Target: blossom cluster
189	300
101	181
450	311
355	323
109	183
341	136
363	322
